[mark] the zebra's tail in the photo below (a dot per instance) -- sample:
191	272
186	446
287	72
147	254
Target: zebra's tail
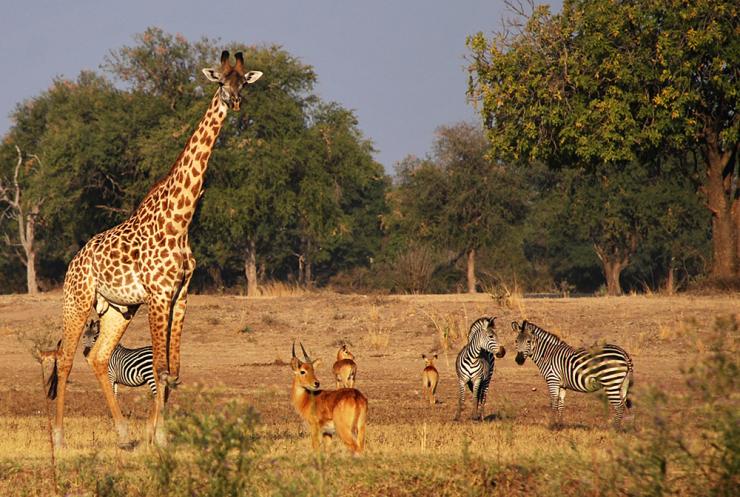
53	381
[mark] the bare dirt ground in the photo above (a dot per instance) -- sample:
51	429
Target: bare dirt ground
239	348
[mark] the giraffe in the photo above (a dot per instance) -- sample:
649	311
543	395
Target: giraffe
144	260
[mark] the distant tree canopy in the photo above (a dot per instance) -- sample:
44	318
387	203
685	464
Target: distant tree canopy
605	87
291	178
607	160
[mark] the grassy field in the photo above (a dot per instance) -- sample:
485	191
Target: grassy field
235	354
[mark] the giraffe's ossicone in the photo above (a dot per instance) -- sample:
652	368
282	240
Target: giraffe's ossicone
145	260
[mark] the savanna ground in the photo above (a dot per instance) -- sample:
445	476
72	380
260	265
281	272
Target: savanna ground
235	354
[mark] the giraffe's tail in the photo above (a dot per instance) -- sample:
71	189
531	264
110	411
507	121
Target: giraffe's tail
53	381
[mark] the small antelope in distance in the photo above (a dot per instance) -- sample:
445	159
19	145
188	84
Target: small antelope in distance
345	368
430	377
342	411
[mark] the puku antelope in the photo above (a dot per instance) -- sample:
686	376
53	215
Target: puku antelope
430	378
345	368
342	411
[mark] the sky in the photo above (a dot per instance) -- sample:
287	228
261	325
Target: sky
399	65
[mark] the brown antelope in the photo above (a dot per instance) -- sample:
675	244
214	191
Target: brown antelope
430	377
345	368
342	411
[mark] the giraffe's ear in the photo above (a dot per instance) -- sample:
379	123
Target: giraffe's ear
252	76
212	74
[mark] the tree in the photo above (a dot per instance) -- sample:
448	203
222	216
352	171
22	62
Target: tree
25	211
458	199
603	84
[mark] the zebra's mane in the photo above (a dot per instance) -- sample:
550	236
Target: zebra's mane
541	333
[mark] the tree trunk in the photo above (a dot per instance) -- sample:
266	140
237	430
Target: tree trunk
301	269
250	269
612	271
471	271
612	263
307	265
670	281
27	234
720	201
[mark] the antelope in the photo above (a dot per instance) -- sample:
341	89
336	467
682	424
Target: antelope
326	412
345	368
430	377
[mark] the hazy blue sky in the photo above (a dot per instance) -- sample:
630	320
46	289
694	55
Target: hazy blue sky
399	64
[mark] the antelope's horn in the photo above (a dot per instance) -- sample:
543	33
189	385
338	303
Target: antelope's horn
305	356
294	348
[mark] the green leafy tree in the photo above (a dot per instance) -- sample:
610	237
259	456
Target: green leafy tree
458	199
602	84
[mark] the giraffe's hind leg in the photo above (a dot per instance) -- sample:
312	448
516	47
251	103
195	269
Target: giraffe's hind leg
179	306
79	295
112	326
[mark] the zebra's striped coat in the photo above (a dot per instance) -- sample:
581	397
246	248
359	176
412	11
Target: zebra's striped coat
566	368
475	363
129	367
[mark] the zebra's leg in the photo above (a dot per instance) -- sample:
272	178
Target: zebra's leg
460	399
554	390
618	403
112	326
476	400
483	392
561	405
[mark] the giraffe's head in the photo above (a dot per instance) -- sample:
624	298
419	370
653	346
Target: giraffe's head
231	79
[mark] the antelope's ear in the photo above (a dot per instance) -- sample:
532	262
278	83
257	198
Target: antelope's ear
435	356
316	363
252	76
423	356
295	363
212	74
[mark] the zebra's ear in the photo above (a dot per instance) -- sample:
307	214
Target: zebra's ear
515	326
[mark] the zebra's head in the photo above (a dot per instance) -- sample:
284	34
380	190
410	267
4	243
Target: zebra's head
523	341
92	331
483	332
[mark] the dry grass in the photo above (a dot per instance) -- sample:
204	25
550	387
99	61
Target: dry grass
412	448
281	289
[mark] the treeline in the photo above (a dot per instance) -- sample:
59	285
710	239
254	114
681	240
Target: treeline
576	186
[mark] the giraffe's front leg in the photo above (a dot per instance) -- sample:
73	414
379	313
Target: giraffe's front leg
112	326
159	310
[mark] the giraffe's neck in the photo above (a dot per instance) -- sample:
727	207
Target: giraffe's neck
174	198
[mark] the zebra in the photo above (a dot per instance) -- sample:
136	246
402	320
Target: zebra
130	367
474	364
567	368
